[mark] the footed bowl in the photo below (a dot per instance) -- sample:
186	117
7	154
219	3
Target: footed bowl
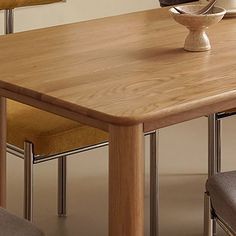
197	39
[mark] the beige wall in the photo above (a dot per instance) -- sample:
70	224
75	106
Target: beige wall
76	10
184	146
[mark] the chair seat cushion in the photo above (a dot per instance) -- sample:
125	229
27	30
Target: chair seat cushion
11	225
222	190
50	133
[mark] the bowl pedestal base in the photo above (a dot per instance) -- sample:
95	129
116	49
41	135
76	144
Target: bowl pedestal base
197	41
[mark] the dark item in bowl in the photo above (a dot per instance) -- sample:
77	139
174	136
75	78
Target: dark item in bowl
197	39
166	3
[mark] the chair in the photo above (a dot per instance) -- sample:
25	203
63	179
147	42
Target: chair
214	145
38	136
11	225
220	203
42	136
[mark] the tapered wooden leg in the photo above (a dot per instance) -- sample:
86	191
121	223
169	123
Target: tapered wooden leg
3	124
126	181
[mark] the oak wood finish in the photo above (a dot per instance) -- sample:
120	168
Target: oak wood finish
128	73
3	152
126	180
11	4
64	112
122	70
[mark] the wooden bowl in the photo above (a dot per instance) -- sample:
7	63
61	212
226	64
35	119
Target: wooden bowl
197	39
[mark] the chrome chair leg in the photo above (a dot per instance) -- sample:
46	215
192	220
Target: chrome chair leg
28	157
208	219
28	147
9	18
212	143
218	158
214	149
154	185
218	144
28	180
62	185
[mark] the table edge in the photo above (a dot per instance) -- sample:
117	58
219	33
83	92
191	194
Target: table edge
151	121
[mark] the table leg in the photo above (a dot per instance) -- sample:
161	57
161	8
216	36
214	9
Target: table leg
126	181
3	124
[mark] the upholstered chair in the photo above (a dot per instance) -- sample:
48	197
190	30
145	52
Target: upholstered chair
11	225
220	203
37	136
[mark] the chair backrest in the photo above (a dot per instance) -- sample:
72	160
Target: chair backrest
11	4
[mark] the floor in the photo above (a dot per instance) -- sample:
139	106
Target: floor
181	198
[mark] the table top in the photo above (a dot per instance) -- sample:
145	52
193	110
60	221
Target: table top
123	70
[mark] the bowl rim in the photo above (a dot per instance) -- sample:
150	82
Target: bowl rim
174	12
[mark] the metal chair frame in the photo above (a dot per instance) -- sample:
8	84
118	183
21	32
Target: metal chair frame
30	159
210	217
214	167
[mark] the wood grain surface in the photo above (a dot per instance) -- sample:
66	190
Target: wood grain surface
126	181
123	70
11	4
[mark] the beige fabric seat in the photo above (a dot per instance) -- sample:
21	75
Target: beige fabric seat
11	225
222	191
49	133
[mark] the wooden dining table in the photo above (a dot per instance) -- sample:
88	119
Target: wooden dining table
126	75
